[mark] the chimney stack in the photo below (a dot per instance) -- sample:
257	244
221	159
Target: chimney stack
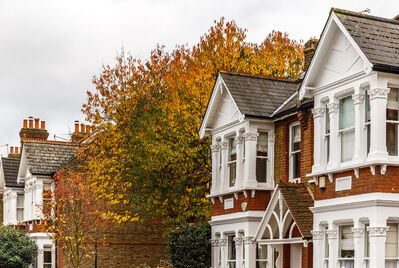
17	150
33	133
87	128
11	149
310	48
81	132
14	152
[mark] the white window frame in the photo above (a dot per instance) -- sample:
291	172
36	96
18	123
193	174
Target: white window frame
393	259
231	140
396	123
19	208
263	157
291	153
48	248
264	260
343	259
231	263
327	135
345	130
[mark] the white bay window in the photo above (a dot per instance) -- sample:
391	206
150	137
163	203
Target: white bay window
392	122
347	128
262	157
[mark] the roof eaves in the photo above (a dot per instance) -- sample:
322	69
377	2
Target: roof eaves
284	103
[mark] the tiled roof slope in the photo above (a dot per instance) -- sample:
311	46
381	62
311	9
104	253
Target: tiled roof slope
46	158
377	37
10	168
298	201
256	95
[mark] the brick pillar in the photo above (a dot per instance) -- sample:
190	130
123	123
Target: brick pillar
286	255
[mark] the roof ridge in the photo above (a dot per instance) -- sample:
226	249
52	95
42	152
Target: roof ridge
359	15
258	76
66	143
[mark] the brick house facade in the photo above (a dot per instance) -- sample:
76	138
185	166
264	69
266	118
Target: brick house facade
26	174
333	195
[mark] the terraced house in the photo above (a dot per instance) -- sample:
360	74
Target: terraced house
25	174
305	173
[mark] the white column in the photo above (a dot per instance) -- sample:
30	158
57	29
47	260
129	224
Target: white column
358	100
318	114
215	253
223	252
240	155
239	248
215	148
53	264
224	184
270	161
26	198
378	104
318	247
12	217
40	260
250	161
334	141
250	252
358	241
332	235
377	238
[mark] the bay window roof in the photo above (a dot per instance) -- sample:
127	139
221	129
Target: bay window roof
10	171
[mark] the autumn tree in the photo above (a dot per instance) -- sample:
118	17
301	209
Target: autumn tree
147	154
74	215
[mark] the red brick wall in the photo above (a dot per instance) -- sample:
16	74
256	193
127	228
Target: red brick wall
286	255
281	150
259	202
307	256
366	183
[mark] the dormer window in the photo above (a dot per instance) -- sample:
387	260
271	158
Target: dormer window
295	152
347	128
261	157
392	122
232	162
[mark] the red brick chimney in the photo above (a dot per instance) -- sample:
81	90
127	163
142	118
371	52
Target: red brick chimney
81	132
310	48
33	133
14	152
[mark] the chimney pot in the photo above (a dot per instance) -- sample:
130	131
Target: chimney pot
76	126
37	122
43	124
17	150
25	125
87	128
11	149
30	122
82	127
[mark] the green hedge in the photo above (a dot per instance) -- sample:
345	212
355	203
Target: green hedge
16	248
189	246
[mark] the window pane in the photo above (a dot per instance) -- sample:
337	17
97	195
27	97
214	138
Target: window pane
261	169
347	145
232	174
20	201
232	247
296	165
232	150
20	214
47	256
261	145
262	252
391	245
346	245
328	148
367	108
392	139
327	121
296	138
346	113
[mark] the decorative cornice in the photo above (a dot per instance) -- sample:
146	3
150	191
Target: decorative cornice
332	234
238	240
381	92
251	136
358	98
378	231
317	235
248	240
222	242
215	242
332	107
223	145
215	148
357	232
318	112
239	139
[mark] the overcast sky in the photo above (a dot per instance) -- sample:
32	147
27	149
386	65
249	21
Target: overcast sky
50	50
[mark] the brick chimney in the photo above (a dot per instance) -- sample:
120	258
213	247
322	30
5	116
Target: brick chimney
32	132
310	48
81	132
14	152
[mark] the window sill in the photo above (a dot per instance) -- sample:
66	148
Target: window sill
355	167
247	191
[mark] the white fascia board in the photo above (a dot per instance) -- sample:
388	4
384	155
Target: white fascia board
211	109
267	215
2	178
284	103
23	171
332	20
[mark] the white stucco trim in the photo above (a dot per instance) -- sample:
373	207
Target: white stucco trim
247	216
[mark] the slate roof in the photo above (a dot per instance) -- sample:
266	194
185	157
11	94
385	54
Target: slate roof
256	95
46	158
10	168
298	201
377	37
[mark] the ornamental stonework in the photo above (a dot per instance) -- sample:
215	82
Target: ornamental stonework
332	234
358	98
357	232
332	107
251	136
318	112
317	235
377	231
378	92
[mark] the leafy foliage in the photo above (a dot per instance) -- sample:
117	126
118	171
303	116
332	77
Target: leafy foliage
74	214
16	248
189	246
147	154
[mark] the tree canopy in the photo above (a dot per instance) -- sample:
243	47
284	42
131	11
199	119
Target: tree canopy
16	248
147	154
